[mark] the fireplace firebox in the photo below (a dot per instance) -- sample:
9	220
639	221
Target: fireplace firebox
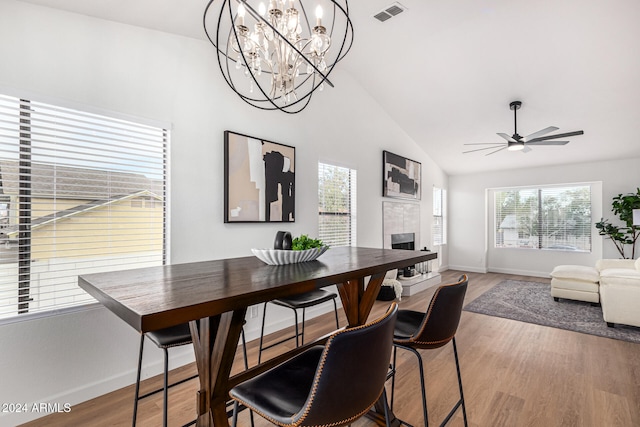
405	241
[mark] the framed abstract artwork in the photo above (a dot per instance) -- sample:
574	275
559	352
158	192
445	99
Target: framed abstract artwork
259	180
401	177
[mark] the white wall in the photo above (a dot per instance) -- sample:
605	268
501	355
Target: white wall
469	206
83	62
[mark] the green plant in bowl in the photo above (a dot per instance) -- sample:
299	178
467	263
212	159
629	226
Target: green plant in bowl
304	242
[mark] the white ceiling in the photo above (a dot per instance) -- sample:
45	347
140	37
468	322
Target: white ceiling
447	70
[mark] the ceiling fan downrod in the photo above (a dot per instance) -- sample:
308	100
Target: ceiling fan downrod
515	106
516	144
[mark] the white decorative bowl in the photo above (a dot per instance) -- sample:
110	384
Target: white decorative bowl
281	257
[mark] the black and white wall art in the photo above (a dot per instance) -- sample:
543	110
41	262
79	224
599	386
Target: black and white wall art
259	180
401	177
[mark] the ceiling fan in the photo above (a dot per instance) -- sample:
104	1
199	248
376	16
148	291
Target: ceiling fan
516	142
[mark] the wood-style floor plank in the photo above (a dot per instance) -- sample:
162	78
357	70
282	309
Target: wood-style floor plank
514	374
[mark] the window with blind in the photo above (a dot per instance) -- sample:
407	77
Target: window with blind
79	193
544	218
336	205
439	226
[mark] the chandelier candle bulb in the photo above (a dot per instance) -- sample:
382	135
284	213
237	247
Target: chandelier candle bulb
241	13
319	16
292	24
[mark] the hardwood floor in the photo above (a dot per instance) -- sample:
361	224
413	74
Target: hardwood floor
514	374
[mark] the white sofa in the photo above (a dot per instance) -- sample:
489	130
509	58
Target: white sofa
620	291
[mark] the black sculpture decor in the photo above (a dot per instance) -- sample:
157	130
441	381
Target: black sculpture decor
283	240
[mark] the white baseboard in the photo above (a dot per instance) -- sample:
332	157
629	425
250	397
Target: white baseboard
544	274
469	269
532	273
177	358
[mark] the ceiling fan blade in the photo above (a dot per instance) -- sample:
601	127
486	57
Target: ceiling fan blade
560	135
525	149
499	149
548	143
540	133
507	137
484	143
480	149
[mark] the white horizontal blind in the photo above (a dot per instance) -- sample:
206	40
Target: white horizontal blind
556	218
439	227
336	205
516	218
79	193
565	222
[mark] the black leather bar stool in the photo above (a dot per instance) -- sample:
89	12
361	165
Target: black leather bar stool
417	330
295	302
174	336
330	385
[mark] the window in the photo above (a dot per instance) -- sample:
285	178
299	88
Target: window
68	180
439	227
544	218
336	205
5	209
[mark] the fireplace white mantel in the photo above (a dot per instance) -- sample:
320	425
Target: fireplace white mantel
404	219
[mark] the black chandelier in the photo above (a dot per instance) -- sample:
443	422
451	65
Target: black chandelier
271	55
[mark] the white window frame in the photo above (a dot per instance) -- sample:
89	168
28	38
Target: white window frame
439	225
334	236
64	138
506	223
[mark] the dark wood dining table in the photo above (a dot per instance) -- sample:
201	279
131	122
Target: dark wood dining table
213	297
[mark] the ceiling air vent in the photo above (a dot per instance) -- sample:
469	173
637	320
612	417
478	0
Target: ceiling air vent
389	12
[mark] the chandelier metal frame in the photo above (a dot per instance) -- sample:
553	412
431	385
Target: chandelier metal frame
281	85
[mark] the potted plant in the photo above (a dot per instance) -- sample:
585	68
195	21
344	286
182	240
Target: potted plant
622	236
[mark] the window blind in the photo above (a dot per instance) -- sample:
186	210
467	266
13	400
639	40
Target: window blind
557	217
439	226
336	205
79	193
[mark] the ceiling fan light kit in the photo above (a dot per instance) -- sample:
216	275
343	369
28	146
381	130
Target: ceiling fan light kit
516	142
515	146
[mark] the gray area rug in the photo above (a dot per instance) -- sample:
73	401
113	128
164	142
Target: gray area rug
532	302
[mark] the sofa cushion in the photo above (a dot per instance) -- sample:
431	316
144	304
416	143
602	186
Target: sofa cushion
576	272
621	275
605	264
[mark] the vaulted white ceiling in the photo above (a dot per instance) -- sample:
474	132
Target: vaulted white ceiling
447	70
